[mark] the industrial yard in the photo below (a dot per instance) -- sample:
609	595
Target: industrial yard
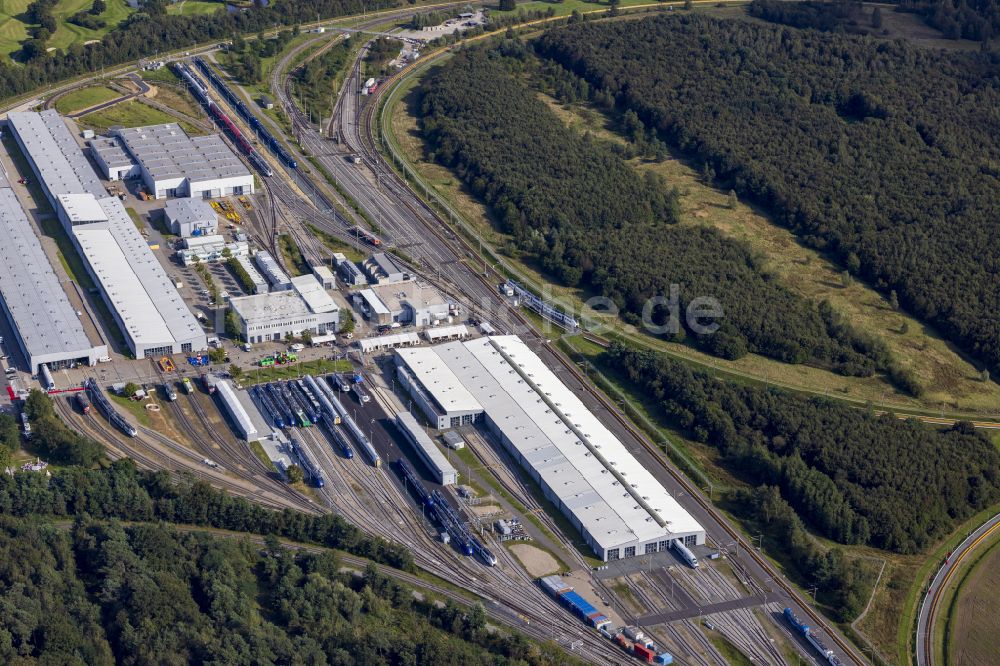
405	392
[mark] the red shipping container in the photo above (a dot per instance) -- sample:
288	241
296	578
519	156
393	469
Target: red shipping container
643	652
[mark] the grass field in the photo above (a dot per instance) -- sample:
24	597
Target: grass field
131	114
970	613
952	382
84	98
178	99
67	33
193	8
295	370
12	30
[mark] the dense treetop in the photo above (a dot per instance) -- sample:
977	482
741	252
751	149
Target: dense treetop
103	593
885	155
969	19
854	476
152	31
590	219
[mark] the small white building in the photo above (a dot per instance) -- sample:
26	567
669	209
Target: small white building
325	276
111	157
271	270
191	217
210	248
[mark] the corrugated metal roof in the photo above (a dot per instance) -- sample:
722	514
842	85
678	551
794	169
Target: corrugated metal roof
589	488
167	152
135	282
57	157
439	380
45	319
443	470
140	290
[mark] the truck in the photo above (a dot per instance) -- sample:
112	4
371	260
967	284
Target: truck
297	347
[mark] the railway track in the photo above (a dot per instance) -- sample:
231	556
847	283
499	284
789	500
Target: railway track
930	606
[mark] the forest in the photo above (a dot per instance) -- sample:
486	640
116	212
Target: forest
590	220
152	31
53	440
837	16
853	476
122	492
102	592
883	155
968	19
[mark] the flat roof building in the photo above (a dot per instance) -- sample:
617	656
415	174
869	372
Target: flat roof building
190	217
259	283
348	271
45	324
143	299
325	276
140	295
435	388
372	307
383	268
112	158
55	156
271	270
442	470
271	316
619	507
173	164
413	302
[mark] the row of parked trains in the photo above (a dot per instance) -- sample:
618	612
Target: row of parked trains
442	513
200	91
263	134
311	401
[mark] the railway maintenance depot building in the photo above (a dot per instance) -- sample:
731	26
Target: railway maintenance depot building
173	164
141	297
583	468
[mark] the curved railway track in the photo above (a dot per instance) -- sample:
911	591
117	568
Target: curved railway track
372	153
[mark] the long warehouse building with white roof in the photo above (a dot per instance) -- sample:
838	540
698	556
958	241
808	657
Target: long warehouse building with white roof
46	326
619	507
140	295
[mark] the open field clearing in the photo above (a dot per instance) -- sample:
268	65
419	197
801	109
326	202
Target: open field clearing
84	98
131	114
